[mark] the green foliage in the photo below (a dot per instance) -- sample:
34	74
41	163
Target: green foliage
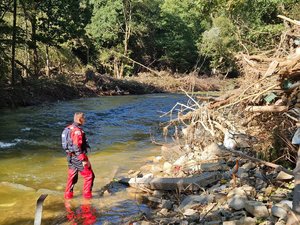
106	23
219	43
5	31
161	34
175	46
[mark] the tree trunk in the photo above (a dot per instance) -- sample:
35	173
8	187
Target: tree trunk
47	46
116	68
13	49
127	18
47	61
34	44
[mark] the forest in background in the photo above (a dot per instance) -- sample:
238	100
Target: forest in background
60	40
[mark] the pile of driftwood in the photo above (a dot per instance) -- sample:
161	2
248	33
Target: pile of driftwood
254	122
266	104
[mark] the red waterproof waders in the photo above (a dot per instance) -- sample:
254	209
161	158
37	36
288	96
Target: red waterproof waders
75	157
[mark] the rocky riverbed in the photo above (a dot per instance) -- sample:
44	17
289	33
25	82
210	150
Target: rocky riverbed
234	191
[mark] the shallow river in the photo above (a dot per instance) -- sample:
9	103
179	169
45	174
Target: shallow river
32	162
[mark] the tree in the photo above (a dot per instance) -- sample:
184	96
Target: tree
219	44
13	51
111	27
5	29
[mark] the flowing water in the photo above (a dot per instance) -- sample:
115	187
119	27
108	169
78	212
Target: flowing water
32	162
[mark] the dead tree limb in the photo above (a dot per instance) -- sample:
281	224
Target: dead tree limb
267	108
272	165
296	22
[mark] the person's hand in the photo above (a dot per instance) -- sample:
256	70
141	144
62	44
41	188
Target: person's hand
86	164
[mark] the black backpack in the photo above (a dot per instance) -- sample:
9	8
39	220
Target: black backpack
66	141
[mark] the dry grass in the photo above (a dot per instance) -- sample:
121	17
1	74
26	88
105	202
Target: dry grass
177	82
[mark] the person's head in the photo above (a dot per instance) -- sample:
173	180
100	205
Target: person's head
79	118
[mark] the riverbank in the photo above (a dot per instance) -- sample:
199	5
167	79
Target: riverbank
211	186
34	92
232	158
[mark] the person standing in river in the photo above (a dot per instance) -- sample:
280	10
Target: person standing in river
78	161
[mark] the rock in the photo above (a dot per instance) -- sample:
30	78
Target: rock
218	222
217	188
193	200
212	151
240	171
242	221
155	168
237	202
260	184
247	221
166	204
284	176
181	161
232	222
167	166
163	212
237	192
17	186
248	166
257	209
287	202
190	212
238	215
184	222
157	193
244	177
281	222
249	190
279	211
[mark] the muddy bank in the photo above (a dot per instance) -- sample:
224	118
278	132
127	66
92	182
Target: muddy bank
37	91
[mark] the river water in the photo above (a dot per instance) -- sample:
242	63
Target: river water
32	162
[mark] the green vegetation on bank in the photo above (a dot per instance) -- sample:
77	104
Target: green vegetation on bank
59	39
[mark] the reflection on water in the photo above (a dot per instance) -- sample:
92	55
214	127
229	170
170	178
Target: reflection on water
85	213
30	154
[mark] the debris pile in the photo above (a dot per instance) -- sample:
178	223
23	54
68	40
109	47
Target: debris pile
212	187
228	163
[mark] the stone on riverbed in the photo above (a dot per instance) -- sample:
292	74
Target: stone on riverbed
257	209
193	200
17	186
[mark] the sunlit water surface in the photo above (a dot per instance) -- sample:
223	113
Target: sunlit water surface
32	162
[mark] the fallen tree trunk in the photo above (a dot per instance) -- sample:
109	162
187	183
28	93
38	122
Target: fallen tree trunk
168	184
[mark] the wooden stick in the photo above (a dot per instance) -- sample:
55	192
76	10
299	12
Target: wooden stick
267	108
273	165
296	22
249	96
